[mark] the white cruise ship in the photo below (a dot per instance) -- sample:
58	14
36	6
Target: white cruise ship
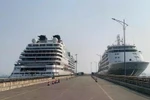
44	58
112	61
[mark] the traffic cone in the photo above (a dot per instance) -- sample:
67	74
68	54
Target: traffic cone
58	80
53	82
48	84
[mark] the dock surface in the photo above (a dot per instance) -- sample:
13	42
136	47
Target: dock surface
79	88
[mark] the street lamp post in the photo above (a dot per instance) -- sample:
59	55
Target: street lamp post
76	62
99	62
124	29
96	66
91	67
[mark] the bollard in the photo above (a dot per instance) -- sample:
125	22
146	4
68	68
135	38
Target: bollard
53	82
56	81
48	84
96	80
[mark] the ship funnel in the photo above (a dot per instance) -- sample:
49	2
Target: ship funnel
57	36
42	38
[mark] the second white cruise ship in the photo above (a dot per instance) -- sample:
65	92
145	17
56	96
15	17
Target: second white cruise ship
112	61
44	58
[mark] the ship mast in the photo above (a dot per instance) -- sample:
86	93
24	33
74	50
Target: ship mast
118	39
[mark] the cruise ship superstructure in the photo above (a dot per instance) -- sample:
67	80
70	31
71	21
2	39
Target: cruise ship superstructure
44	57
112	61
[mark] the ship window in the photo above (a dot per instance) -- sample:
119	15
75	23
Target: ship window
48	73
15	73
29	45
130	59
49	44
136	56
116	53
56	44
36	45
134	53
42	44
123	50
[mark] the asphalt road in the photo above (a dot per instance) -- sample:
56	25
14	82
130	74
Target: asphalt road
79	88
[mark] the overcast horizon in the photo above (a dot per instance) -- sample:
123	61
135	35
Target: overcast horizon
85	27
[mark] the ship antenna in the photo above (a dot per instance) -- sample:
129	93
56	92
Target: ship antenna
121	41
118	39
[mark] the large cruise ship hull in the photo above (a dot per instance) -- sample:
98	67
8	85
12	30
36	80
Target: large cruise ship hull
132	68
52	70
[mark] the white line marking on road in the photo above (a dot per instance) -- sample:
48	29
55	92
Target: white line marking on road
105	92
22	93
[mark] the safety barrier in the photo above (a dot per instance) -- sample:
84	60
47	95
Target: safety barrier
7	84
140	84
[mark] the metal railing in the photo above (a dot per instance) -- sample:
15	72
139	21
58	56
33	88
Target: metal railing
139	81
21	79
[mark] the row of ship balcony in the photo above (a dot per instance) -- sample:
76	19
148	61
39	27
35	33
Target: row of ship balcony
40	56
45	53
71	65
43	45
103	68
121	47
32	73
47	66
44	69
43	50
46	61
104	64
122	50
37	58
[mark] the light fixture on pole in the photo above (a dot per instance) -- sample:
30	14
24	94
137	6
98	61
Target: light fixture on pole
99	56
124	29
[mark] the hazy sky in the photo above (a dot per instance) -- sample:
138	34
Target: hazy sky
84	25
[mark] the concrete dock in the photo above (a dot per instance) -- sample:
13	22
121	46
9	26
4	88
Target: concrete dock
79	88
